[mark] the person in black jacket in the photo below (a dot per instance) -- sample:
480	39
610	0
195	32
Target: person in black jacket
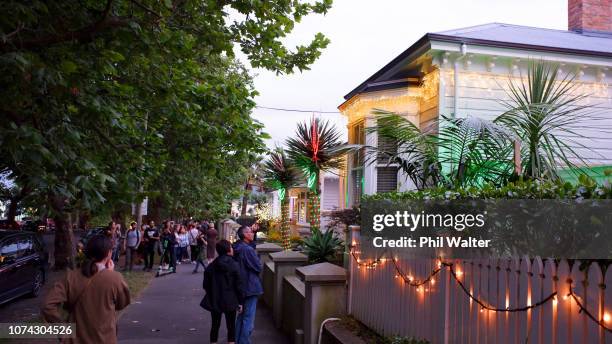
168	243
224	293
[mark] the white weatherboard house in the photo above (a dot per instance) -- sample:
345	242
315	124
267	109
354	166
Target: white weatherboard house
465	72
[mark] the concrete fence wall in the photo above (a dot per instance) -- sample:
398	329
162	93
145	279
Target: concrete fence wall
301	296
569	302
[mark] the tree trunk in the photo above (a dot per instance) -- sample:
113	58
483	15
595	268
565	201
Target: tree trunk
245	198
14	206
285	226
63	256
84	217
314	207
12	212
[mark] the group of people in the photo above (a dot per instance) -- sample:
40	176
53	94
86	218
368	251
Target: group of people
233	286
92	295
176	243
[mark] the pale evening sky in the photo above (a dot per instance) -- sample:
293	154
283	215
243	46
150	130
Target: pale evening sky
365	35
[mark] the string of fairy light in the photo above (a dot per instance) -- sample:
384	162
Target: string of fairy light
421	286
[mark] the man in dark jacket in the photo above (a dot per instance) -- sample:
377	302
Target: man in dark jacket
168	242
224	291
250	267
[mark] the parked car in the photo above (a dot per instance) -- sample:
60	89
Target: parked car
6	224
23	264
94	231
33	226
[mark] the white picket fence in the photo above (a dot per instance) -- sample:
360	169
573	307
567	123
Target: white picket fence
441	311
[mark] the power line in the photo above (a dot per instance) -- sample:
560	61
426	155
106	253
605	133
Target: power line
293	110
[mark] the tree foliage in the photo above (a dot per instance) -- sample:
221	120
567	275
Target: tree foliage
101	98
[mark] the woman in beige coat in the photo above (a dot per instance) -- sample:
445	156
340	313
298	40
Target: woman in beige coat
91	296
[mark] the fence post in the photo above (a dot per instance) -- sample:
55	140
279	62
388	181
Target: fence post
447	301
285	263
325	285
354	232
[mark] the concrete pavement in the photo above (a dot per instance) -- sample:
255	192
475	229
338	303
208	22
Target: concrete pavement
169	311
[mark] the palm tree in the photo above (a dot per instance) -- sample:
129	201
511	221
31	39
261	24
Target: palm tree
281	175
544	113
316	147
463	152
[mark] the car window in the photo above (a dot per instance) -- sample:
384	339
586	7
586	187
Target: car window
9	249
25	245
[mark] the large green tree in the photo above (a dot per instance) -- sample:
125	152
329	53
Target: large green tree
103	98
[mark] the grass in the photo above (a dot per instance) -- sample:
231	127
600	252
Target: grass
137	281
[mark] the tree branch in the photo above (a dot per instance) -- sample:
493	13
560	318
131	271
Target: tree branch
83	34
146	8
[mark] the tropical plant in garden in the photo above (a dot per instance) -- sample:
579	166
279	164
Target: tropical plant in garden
322	247
548	116
280	174
316	147
464	151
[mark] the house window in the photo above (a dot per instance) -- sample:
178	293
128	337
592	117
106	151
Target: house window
356	136
386	170
386	178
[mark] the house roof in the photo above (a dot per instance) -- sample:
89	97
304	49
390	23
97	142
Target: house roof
586	42
504	36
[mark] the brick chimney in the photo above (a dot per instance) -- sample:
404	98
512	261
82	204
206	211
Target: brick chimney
589	15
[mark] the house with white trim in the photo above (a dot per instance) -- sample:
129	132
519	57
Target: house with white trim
465	72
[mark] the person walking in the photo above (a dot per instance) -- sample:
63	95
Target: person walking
151	239
183	243
201	252
224	291
113	232
250	267
168	243
130	246
193	234
92	296
211	238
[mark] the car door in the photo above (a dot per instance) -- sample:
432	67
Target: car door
9	274
28	262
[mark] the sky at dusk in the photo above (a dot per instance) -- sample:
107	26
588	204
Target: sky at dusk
367	34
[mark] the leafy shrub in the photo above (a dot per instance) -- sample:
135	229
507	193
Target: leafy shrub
532	189
342	218
296	240
274	236
322	247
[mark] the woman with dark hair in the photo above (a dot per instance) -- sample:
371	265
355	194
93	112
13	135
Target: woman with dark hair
223	291
91	296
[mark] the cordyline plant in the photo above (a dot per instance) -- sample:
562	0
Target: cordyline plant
280	174
316	147
549	117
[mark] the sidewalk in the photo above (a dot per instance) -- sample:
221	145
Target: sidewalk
169	311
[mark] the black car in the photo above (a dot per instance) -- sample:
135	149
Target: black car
91	233
23	263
